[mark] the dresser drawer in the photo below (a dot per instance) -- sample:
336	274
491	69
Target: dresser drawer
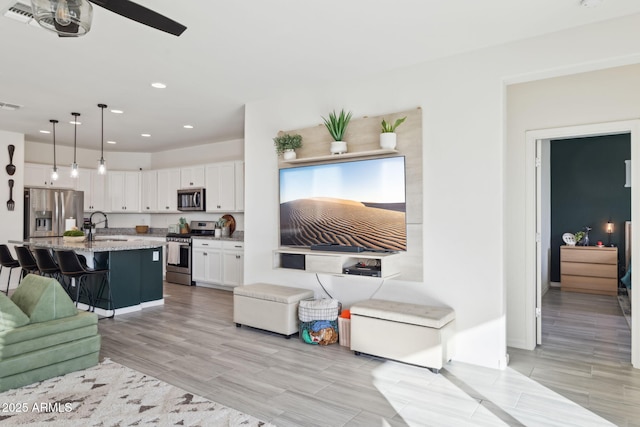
589	254
594	285
593	270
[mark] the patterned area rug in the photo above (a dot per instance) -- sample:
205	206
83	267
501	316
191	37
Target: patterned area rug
113	395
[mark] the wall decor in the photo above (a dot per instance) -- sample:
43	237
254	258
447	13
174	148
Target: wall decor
10	203
11	168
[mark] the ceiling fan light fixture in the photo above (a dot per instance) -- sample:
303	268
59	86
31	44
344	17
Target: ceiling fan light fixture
67	18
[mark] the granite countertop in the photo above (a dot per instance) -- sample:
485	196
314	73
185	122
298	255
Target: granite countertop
103	245
237	236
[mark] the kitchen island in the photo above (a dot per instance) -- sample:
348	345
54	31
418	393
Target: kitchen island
135	269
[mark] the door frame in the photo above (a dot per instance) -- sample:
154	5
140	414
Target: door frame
533	254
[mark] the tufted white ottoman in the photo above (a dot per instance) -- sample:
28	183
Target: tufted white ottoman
270	307
411	333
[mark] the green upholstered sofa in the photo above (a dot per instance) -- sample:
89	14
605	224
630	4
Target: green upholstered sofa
43	335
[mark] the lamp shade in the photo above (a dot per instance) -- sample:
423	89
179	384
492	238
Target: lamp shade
70	18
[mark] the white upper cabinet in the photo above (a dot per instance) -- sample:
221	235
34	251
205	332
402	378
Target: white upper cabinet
220	187
94	187
168	184
124	191
192	176
149	191
37	175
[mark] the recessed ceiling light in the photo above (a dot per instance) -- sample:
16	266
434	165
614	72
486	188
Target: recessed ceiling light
117	111
158	85
590	3
146	135
44	131
111	142
75	123
188	127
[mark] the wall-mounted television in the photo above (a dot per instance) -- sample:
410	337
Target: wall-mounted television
353	203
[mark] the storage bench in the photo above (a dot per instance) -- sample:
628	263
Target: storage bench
270	307
411	333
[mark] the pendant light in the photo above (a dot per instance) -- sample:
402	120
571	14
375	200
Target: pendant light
74	165
102	168
54	171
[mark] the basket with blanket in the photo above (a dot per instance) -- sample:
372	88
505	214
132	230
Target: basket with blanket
319	321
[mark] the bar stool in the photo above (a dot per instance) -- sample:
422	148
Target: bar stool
7	261
48	267
26	260
72	268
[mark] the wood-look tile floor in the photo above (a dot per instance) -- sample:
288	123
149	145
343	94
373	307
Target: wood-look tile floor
580	376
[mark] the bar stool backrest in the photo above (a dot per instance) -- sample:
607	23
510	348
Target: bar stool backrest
25	258
69	263
45	262
6	259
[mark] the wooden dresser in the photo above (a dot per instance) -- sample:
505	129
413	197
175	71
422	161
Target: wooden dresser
589	269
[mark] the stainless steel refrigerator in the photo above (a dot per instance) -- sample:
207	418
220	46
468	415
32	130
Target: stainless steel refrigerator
49	211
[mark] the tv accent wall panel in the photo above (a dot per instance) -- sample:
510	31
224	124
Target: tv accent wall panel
363	136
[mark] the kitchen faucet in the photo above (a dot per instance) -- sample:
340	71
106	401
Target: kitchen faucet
92	224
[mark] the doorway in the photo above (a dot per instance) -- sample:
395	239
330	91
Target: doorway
538	222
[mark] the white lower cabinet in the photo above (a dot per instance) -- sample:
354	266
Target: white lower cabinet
217	263
232	263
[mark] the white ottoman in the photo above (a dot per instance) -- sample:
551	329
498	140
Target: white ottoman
411	333
270	307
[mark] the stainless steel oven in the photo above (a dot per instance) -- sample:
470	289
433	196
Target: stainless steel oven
179	251
179	259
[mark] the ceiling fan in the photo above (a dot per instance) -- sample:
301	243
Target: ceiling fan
72	18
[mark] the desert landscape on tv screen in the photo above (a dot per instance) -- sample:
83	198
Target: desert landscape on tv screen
355	203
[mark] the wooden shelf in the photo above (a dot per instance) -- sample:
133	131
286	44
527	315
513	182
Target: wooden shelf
353	155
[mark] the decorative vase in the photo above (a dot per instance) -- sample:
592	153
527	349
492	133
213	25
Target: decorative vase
338	147
388	140
289	154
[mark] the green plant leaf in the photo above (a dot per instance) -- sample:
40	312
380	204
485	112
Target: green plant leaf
337	124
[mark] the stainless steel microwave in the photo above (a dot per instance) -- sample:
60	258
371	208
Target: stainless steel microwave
191	199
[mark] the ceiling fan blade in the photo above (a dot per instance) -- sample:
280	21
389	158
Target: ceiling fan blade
141	14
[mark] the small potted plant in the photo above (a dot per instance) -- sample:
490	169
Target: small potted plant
287	144
73	235
337	126
388	133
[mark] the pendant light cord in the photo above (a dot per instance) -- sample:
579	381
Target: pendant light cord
53	122
102	107
75	134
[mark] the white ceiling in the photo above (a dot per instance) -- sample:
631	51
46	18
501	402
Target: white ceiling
234	52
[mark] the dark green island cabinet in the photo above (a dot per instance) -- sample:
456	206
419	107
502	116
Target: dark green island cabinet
135	276
135	270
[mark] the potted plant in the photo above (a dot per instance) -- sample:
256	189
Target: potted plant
73	235
287	144
337	126
388	133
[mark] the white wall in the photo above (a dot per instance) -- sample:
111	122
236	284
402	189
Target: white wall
11	221
38	152
473	180
206	153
